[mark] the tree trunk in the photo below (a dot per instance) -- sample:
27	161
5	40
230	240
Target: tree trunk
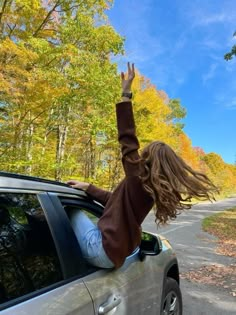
92	154
62	131
29	147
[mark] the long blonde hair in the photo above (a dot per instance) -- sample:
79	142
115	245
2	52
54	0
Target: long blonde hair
171	182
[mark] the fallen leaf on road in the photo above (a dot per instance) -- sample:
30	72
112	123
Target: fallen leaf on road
216	274
227	248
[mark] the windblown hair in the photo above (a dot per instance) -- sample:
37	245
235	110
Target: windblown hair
171	182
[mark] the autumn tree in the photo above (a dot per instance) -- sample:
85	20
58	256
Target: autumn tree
223	174
55	68
187	152
157	116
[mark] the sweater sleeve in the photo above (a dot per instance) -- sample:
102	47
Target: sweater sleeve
127	138
99	194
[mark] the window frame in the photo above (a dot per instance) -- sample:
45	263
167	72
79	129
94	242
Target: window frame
96	208
86	203
73	264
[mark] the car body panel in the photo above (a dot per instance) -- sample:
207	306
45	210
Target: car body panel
72	298
135	288
138	284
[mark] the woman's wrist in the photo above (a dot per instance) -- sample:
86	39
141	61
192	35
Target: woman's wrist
86	186
126	95
125	99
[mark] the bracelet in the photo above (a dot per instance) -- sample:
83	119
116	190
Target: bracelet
127	94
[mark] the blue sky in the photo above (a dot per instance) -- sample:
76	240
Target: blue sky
179	45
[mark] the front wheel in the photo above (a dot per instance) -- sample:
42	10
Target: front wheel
172	298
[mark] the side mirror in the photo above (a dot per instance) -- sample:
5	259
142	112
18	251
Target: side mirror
150	245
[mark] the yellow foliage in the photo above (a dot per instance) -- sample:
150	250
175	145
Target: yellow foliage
151	112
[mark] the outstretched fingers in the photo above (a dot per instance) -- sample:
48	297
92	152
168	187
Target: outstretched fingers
127	78
131	71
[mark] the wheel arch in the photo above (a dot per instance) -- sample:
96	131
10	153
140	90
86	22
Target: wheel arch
173	271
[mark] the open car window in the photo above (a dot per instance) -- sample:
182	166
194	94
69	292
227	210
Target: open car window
92	210
70	208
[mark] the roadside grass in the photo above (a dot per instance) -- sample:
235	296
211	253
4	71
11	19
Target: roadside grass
223	225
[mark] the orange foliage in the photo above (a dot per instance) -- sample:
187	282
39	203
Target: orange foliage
187	152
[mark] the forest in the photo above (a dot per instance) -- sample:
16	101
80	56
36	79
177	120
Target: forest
59	82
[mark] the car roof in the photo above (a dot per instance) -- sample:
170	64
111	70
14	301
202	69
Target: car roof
25	182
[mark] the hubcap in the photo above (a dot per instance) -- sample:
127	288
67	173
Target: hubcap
171	304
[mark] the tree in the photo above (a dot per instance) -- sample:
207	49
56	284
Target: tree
177	113
187	152
222	174
232	53
156	115
54	68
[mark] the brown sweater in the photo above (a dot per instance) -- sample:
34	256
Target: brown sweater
125	208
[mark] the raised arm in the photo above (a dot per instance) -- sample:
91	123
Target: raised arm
126	125
126	130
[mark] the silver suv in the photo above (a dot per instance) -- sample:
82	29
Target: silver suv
42	271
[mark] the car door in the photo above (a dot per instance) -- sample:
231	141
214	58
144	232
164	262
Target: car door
135	288
34	279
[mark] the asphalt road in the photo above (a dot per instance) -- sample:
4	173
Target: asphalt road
195	248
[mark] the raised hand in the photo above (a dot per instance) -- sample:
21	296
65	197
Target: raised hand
127	79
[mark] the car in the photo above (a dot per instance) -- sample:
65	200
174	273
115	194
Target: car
43	272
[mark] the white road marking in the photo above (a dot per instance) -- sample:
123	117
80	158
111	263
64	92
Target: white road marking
179	227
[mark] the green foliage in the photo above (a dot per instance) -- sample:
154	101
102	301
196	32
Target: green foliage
232	53
177	113
57	81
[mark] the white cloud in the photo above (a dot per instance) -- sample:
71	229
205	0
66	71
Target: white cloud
231	66
211	43
227	98
214	18
210	73
232	104
229	102
202	13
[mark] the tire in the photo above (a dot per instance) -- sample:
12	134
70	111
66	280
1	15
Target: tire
172	298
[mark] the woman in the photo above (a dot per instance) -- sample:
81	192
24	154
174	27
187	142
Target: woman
155	177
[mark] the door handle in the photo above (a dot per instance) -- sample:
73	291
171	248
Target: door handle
111	303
